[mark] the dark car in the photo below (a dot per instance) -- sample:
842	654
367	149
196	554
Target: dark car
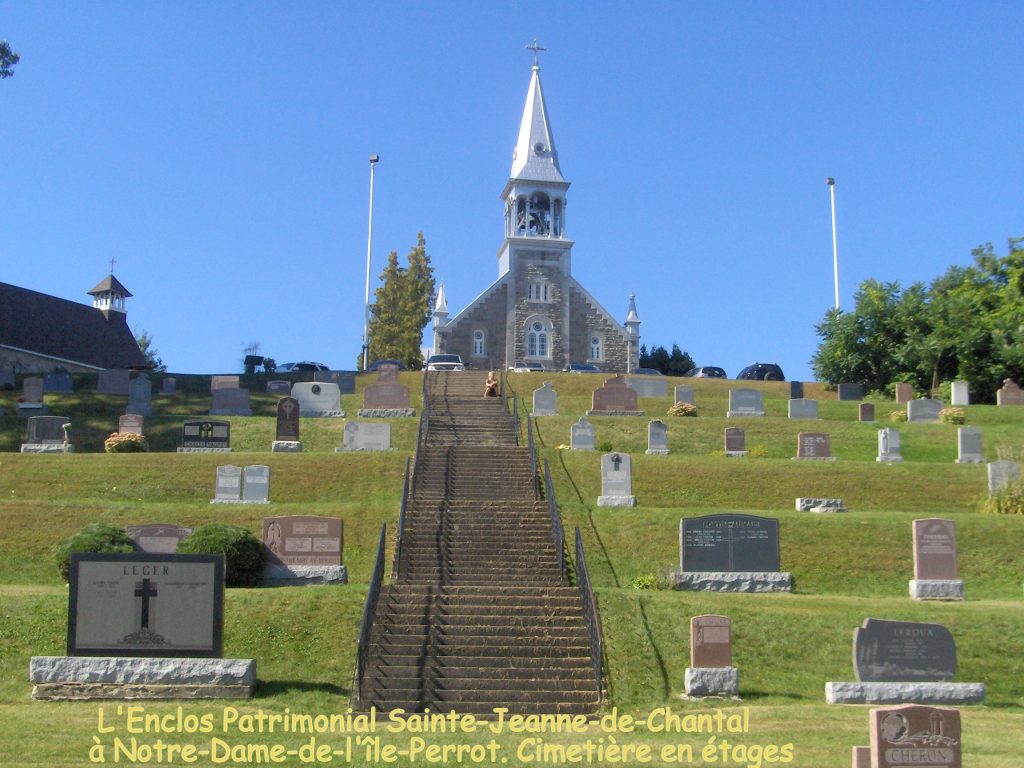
647	372
762	372
706	372
376	364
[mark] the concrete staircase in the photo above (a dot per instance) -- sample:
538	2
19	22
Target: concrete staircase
478	616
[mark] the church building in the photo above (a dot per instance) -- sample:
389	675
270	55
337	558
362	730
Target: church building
536	311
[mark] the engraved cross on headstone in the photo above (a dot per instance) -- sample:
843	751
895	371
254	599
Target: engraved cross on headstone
205	431
616	461
145	590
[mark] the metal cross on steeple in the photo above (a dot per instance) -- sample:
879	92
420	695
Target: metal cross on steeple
536	48
112	260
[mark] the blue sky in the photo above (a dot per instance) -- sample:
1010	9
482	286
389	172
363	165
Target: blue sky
219	152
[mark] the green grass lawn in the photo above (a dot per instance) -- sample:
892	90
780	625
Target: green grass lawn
846	567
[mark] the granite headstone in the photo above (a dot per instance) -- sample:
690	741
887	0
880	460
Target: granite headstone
58	381
684	394
113	382
903	651
657	438
367	436
915	736
904	392
1010	394
205	435
140	396
924	409
228	489
961	393
582	436
729	543
545	401
230	402
616	481
849	391
803	409
968	443
866	412
318	399
1002	474
157	538
614	398
745	402
131	424
889	445
256	484
813	445
735	441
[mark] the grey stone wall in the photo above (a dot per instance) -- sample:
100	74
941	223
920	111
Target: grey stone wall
555	309
489	316
588	321
26	362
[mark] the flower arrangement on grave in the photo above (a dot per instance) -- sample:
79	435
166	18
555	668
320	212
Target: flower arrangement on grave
953	416
682	409
125	442
898	416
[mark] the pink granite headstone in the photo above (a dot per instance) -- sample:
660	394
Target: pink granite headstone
710	641
915	736
934	549
1010	394
614	396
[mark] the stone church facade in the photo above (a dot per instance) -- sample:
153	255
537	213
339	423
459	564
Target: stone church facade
536	311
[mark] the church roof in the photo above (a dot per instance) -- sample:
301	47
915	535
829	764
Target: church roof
110	284
441	305
631	315
535	157
53	327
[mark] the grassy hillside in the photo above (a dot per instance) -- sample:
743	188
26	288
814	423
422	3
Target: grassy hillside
846	567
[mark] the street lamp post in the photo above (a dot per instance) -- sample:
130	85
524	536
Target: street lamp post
374	159
835	253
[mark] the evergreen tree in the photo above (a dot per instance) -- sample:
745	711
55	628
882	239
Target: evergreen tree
402	308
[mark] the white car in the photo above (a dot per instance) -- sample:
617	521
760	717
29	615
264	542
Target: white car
522	367
445	363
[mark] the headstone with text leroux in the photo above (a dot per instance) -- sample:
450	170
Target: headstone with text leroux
850	391
303	550
814	445
735	442
745	402
545	401
684	394
968	444
1002	474
616	481
582	436
113	382
614	399
889	445
866	412
935	573
924	409
130	424
915	736
657	438
318	399
1009	394
140	396
711	672
803	409
286	437
904	392
730	553
960	393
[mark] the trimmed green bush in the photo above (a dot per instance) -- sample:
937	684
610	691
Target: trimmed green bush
96	537
243	552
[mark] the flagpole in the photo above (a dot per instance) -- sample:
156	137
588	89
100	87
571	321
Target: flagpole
835	253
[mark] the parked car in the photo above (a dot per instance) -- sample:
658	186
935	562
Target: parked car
376	364
581	368
522	367
445	363
647	372
762	372
305	365
706	372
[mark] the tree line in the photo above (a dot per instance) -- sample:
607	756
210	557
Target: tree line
674	363
967	324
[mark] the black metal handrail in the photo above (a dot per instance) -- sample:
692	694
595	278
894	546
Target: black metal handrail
556	522
590	615
515	416
421	436
533	457
366	625
401	522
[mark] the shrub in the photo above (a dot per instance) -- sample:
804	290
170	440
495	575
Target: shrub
1006	501
96	537
757	452
647	581
243	552
605	447
125	442
898	416
953	415
682	409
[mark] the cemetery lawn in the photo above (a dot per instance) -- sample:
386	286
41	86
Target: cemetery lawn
846	567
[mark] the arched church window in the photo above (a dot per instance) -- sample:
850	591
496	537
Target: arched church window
479	348
537	339
540	215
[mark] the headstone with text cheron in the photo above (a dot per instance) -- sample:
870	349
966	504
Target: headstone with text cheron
730	553
144	626
968	446
657	438
366	436
31	401
616	481
582	436
286	436
745	402
545	401
140	396
914	736
888	445
113	382
386	398
303	549
205	436
318	399
48	434
711	672
903	662
935	573
157	538
614	399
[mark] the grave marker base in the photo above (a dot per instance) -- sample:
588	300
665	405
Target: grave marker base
239	501
322	414
732	581
286	446
904	693
820	505
47	448
937	589
303	575
712	681
32	409
385	413
614	413
204	450
616	501
657	451
112	677
736	454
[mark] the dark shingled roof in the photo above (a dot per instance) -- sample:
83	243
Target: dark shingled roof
47	325
110	283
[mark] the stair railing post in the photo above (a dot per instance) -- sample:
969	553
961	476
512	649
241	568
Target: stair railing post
533	457
556	522
590	614
401	523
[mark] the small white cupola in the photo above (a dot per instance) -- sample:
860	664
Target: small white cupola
109	295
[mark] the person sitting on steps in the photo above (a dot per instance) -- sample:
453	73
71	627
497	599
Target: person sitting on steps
491	385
